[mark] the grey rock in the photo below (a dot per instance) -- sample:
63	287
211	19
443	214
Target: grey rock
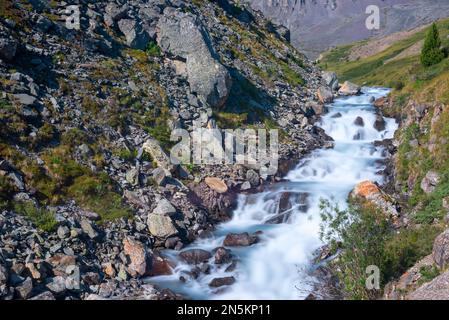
161	226
57	285
136	37
359	122
222	255
132	176
182	35
24	290
430	182
440	252
47	295
325	95
87	228
160	176
8	48
380	123
253	178
25	99
349	89
164	207
331	80
63	232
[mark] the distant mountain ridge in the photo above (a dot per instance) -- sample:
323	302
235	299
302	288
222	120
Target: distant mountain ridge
317	25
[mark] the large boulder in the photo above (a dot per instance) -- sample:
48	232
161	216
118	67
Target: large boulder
137	254
156	152
430	182
114	13
349	89
161	226
437	289
440	250
182	35
136	36
325	95
370	192
164	207
220	282
331	80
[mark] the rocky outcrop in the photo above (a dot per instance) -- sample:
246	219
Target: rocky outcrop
325	95
331	80
370	192
440	251
430	182
182	35
349	89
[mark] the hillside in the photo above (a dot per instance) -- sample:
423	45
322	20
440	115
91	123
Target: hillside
319	25
418	174
85	121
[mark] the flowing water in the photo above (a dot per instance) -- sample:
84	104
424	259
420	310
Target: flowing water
277	266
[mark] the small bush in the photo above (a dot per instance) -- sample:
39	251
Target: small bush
43	219
153	50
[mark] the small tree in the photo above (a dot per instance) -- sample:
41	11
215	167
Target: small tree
431	53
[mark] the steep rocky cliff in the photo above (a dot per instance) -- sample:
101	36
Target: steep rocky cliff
317	25
88	193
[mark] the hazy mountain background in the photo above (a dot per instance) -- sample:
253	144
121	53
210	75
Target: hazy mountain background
317	25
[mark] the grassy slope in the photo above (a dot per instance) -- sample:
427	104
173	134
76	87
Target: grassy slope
425	83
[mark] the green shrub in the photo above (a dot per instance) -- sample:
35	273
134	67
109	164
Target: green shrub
366	237
153	50
431	53
43	219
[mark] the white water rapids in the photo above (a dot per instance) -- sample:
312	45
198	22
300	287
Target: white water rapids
276	267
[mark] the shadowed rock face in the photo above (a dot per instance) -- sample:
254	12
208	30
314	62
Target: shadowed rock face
317	25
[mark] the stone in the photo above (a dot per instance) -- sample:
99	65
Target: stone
440	252
136	36
359	122
160	176
113	13
183	35
57	285
160	267
430	182
4	275
195	256
325	95
46	295
132	176
24	290
109	270
369	191
8	48
156	152
161	226
137	254
87	228
253	178
63	232
245	186
381	102
240	240
25	99
222	255
216	184
349	89
437	289
331	80
164	207
380	123
220	282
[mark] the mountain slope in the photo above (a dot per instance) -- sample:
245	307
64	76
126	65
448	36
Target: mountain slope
319	25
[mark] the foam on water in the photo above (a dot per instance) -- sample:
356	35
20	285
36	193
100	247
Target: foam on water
276	267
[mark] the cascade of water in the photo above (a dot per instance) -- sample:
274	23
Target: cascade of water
276	267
